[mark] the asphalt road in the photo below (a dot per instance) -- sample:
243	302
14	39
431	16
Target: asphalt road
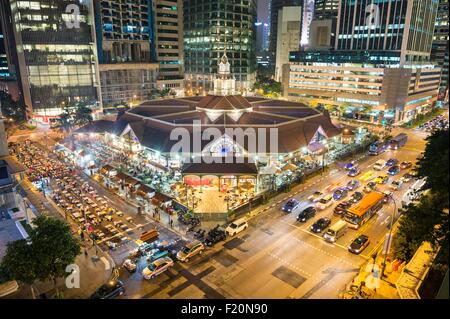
278	257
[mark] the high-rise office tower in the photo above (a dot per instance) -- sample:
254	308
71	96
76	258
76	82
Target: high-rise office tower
381	62
168	29
404	26
8	53
55	45
288	38
212	27
275	6
439	51
322	32
126	55
307	17
262	36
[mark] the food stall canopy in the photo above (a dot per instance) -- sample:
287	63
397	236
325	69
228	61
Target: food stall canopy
289	167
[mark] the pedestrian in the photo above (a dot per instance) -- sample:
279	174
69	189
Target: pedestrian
171	222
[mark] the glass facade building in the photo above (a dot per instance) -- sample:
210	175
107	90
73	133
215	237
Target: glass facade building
212	27
439	51
405	26
55	45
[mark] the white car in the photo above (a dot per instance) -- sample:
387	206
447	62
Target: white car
379	165
157	267
129	265
396	185
324	202
236	227
315	197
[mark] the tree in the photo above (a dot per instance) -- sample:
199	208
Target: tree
65	120
342	108
268	86
83	115
427	220
45	256
11	108
418	225
434	165
18	262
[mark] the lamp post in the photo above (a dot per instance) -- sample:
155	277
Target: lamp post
390	236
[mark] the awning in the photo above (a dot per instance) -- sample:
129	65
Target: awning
269	170
289	167
308	158
145	191
316	147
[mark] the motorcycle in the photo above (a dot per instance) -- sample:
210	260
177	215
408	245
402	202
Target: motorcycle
199	234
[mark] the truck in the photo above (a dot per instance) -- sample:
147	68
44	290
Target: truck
398	141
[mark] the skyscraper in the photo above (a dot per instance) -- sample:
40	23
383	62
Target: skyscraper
8	53
307	17
288	38
126	54
262	37
275	6
439	51
168	28
404	26
210	28
323	26
55	45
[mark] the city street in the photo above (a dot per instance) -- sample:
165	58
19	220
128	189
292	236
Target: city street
278	257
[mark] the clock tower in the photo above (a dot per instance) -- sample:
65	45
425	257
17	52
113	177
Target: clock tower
224	83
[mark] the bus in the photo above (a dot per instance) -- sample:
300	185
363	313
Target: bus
377	147
360	213
398	141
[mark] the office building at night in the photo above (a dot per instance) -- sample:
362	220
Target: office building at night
322	30
56	55
8	54
406	27
168	39
125	51
382	67
275	6
212	27
288	38
439	51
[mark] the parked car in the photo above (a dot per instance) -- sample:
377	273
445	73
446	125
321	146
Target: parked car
396	185
393	170
350	165
109	291
157	267
359	244
379	165
306	214
215	235
340	193
129	265
291	206
371	186
324	202
406	178
382	179
353	184
406	164
342	207
356	197
320	225
190	250
391	162
354	172
236	227
315	197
